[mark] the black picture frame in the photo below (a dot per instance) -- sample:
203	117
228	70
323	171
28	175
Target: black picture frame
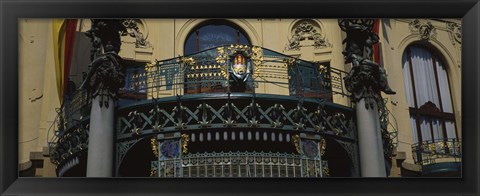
11	11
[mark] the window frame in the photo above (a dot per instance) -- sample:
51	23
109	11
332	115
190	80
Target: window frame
429	110
195	32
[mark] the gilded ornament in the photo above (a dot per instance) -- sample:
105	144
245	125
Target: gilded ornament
432	148
257	58
323	146
296	142
153	172
185	140
289	62
326	172
154	144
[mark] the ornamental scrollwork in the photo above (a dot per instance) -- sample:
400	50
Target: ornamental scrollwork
132	29
388	137
425	29
69	144
179	114
288	62
187	61
154	144
307	31
221	60
297	143
137	122
323	146
299	115
455	31
185	140
257	58
276	115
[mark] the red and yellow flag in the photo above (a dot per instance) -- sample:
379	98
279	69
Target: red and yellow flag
376	47
63	41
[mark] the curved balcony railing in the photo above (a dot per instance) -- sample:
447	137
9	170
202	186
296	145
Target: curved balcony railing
236	110
210	71
437	151
70	136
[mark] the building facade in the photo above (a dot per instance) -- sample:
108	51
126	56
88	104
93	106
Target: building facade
188	108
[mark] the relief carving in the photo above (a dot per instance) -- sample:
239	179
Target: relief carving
307	31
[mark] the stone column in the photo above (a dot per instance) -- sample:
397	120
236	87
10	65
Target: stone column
101	140
103	80
372	161
365	81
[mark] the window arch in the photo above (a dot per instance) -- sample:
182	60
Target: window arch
214	33
428	95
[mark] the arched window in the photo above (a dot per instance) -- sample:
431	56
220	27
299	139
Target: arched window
212	34
428	94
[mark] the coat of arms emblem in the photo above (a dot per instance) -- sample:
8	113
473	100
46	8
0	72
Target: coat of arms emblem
240	68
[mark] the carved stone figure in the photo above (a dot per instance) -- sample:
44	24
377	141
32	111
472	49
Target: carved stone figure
106	72
366	79
426	30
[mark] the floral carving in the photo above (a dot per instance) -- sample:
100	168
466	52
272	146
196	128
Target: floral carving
455	31
132	29
307	31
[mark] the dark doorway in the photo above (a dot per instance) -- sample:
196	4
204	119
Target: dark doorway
339	162
137	161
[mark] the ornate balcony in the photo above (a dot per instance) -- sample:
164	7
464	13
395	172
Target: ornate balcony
70	139
439	156
209	96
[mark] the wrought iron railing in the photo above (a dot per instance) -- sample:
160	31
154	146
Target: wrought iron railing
439	150
243	164
208	72
70	128
194	112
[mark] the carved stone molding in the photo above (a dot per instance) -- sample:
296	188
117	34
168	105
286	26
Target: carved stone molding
133	30
455	31
425	29
306	30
